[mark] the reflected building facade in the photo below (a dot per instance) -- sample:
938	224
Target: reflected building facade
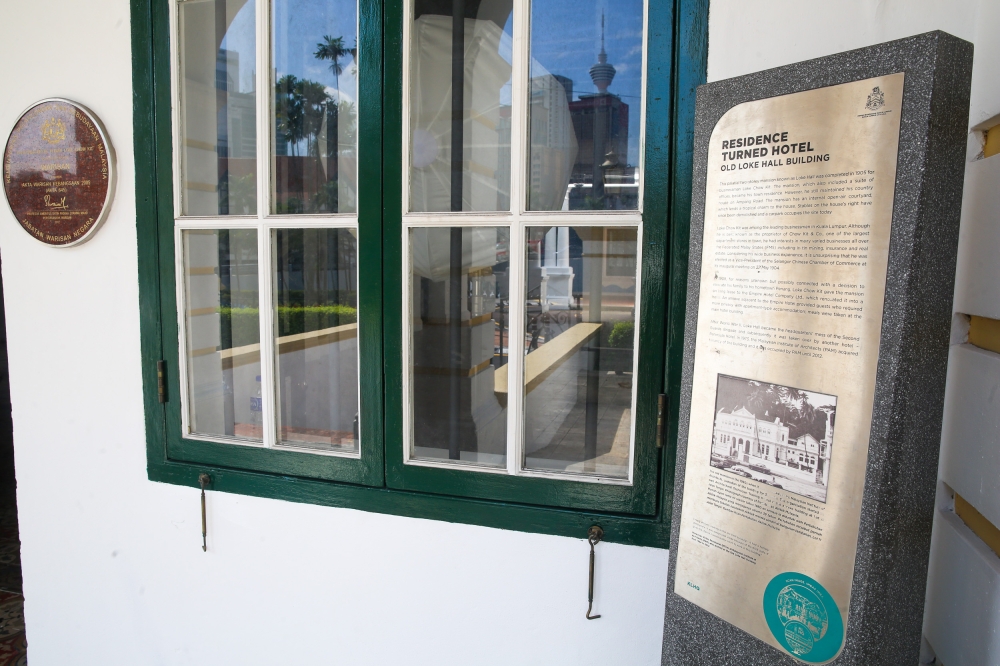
236	138
554	142
601	178
579	157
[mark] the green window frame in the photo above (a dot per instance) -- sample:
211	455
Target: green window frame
378	480
367	468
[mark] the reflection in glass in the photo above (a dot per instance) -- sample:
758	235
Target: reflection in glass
223	333
459	343
585	112
460	145
316	330
218	107
315	124
579	345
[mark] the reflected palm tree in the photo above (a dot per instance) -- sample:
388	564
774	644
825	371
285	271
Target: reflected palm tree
316	123
289	111
333	49
300	109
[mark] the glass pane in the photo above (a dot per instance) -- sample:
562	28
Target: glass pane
218	107
223	332
316	326
460	145
458	345
580	345
585	105
314	121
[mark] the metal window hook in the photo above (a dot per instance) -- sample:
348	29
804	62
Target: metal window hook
594	535
204	480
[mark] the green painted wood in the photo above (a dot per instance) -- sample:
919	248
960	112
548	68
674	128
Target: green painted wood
369	468
690	67
144	138
679	38
392	244
159	163
639	498
631	530
372	463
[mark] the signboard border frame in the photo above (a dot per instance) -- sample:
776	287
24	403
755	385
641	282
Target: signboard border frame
886	610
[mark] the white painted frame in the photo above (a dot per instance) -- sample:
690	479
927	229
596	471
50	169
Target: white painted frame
517	220
264	223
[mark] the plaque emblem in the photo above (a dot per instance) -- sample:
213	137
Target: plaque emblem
803	617
59	172
54	130
876	100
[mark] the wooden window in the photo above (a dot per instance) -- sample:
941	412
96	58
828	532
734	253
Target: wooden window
368	293
275	249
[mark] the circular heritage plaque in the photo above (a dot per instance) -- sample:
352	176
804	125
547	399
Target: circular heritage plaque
59	172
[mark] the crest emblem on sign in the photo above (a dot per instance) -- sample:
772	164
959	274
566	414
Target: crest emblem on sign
876	100
54	130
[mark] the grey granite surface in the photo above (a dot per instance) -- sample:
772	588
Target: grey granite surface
887	601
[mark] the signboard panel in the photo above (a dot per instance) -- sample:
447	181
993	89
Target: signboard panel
798	213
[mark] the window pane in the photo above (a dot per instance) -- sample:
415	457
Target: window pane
458	345
579	345
223	333
315	106
460	146
585	106
316	330
218	112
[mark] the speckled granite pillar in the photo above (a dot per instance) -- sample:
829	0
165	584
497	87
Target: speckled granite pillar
887	602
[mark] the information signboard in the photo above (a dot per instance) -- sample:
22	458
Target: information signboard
826	201
798	210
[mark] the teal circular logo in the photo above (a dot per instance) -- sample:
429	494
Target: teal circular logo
803	617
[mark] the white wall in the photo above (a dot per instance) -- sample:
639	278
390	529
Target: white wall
750	35
113	568
963	614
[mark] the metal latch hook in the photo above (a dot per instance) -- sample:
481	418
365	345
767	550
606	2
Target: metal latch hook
594	536
204	480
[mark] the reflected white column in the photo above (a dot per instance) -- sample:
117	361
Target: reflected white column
551	243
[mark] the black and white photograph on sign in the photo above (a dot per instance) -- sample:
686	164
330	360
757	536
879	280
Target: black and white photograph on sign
773	434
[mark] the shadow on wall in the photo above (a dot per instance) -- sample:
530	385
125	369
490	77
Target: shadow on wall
13	646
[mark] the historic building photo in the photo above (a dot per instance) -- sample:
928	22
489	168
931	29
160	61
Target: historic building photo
774	434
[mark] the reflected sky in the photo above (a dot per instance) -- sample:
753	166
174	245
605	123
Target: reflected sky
570	49
240	38
566	38
300	25
308	21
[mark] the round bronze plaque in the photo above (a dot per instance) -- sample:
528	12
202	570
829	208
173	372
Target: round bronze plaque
58	172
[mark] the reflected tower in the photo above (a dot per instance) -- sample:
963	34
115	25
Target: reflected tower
602	73
600	121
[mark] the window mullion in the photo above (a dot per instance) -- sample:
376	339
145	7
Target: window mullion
406	332
406	112
518	184
176	70
642	110
263	79
265	252
519	102
183	342
638	319
515	350
268	394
